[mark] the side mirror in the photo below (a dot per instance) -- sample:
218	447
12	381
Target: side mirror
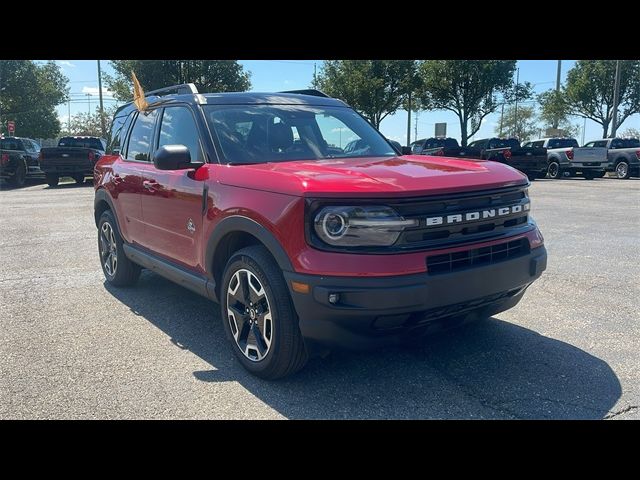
406	151
173	157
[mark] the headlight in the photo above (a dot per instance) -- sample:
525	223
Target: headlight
360	226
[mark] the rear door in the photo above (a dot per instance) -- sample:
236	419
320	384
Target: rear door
172	199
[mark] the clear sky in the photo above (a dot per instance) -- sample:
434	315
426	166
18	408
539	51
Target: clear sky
275	75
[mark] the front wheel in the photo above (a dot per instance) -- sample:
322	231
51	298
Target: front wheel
554	170
79	178
622	170
258	315
52	179
589	176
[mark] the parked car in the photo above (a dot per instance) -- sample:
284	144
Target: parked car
529	160
19	160
623	155
74	157
567	158
304	249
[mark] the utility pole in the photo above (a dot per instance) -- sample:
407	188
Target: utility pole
102	127
409	121
69	115
515	118
584	128
89	100
415	135
616	95
556	121
315	78
501	117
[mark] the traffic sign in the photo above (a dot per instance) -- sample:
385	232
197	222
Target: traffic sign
11	126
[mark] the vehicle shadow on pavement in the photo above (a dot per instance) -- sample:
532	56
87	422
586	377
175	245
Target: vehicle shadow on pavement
491	369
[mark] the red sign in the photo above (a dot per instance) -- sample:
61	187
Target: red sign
11	126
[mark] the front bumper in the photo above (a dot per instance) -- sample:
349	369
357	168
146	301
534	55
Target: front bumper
376	311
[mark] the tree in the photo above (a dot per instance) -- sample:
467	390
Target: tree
29	93
472	89
207	75
630	133
375	88
526	126
89	125
589	91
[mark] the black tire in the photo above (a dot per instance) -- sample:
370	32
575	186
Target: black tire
589	176
532	176
622	170
79	178
20	176
601	174
125	273
286	352
554	172
52	179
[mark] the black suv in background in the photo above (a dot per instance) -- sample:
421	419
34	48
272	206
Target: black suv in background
19	160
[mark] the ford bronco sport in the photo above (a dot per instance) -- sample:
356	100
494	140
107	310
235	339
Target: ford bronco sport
251	200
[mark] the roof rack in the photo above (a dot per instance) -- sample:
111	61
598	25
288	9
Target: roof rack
310	91
179	89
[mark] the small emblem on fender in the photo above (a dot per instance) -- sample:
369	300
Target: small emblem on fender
191	226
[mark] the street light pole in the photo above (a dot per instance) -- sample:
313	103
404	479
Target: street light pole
616	95
515	119
409	121
556	120
102	127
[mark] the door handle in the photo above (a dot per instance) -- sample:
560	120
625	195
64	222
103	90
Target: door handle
150	185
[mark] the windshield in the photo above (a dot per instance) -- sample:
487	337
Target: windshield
81	142
562	143
279	133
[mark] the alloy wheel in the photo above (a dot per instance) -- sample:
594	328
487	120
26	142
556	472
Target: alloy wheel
108	249
249	315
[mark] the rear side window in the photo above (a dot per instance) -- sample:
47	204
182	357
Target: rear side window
600	143
139	148
416	147
538	144
179	128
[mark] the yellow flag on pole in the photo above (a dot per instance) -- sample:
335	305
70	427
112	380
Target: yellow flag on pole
138	94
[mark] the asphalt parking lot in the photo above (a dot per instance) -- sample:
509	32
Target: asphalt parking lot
72	347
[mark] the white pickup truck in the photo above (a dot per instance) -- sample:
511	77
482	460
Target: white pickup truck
566	158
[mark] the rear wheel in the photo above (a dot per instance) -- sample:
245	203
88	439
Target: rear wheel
52	179
21	174
589	175
622	170
79	178
258	315
554	170
117	268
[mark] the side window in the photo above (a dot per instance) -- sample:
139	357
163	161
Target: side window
615	143
179	128
527	145
26	144
36	147
590	144
416	147
141	136
538	144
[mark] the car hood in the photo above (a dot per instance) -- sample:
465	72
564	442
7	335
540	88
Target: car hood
373	176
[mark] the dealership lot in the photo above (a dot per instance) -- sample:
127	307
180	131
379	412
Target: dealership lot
72	347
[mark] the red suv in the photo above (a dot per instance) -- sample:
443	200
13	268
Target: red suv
254	201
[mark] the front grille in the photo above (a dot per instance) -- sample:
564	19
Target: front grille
451	262
432	237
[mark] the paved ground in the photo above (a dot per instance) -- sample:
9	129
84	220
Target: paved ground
71	347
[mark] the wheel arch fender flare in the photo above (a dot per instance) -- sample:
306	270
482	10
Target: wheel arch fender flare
102	196
239	223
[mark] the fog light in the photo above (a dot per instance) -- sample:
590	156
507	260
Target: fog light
334	298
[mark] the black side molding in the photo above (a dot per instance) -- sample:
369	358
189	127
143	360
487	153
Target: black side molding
197	283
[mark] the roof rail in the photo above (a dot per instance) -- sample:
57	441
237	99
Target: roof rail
179	89
311	91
